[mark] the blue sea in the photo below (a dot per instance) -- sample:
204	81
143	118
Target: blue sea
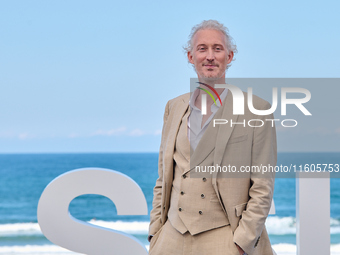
23	178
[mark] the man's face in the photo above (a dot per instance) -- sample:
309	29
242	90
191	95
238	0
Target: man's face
209	54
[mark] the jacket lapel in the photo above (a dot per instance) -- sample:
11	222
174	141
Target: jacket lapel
215	137
205	145
223	135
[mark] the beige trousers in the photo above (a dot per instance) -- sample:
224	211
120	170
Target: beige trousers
168	241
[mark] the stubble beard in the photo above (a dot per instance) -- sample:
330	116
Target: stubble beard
213	79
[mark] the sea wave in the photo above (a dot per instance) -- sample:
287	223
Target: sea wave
290	249
275	226
20	229
287	225
35	250
33	229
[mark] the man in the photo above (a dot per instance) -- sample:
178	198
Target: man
212	213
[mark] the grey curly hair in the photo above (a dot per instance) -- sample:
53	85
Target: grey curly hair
215	25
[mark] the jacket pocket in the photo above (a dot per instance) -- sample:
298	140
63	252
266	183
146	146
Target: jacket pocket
240	208
155	237
238	139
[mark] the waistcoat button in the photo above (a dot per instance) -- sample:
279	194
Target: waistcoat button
200	212
204	179
202	196
180	209
182	192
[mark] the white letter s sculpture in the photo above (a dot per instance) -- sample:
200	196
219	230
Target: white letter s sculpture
58	225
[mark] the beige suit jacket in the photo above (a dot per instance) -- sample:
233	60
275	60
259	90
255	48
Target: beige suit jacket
245	197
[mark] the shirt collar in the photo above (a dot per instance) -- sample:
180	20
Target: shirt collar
214	107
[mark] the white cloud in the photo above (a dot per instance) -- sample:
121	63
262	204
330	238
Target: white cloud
158	132
73	135
137	132
24	136
15	135
111	132
124	131
6	135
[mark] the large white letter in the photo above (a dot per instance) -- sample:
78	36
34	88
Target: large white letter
298	101
204	104
238	98
261	112
66	231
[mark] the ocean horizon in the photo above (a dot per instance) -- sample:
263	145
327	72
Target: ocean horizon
24	177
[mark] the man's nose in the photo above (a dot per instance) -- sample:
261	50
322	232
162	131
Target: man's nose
210	55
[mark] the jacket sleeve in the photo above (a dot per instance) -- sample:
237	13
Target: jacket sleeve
264	153
155	215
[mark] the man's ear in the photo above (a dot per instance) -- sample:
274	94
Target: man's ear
230	56
190	57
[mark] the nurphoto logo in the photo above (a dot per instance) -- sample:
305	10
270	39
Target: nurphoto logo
238	103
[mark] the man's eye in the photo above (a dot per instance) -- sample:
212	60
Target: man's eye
201	48
218	48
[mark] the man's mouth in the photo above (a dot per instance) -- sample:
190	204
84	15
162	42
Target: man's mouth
210	66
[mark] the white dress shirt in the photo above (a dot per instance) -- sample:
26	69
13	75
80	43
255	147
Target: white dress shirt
195	129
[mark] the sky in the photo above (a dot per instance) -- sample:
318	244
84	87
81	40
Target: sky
95	76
